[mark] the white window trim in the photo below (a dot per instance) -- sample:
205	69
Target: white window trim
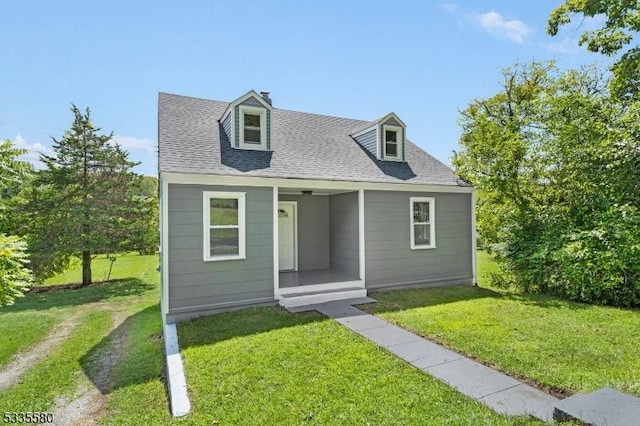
432	222
243	109
399	141
206	221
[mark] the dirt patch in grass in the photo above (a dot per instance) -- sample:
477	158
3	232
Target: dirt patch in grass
63	287
23	361
88	401
90	397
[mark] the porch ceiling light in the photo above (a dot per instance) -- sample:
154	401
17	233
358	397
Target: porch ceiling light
307	192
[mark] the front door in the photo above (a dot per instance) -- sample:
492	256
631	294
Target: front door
287	235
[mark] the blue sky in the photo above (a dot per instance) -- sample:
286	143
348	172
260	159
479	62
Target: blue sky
424	60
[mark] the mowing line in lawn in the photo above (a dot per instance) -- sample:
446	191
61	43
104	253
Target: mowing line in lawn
23	361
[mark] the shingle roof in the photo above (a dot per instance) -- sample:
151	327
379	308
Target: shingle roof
304	145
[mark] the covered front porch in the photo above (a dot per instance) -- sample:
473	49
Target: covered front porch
326	277
320	245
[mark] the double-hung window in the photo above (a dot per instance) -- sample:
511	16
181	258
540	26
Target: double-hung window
392	142
224	225
253	128
423	230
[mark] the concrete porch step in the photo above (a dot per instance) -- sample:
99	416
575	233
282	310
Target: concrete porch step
605	406
339	303
313	298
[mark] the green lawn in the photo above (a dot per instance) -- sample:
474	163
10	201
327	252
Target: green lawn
56	374
31	318
267	366
127	265
486	265
283	368
564	346
254	366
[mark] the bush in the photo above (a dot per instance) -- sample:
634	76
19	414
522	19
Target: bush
15	277
599	264
602	265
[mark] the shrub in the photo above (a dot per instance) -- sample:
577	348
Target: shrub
15	277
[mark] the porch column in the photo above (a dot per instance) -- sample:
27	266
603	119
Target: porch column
276	273
474	249
361	232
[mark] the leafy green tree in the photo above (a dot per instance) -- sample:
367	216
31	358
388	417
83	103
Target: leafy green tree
147	187
30	218
555	161
79	203
15	277
143	220
11	169
621	27
500	137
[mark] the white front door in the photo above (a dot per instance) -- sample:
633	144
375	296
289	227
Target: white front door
287	235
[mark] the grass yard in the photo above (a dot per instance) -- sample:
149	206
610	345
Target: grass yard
267	366
126	266
32	317
564	346
283	368
70	366
248	367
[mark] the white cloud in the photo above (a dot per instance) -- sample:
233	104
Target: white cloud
449	7
493	23
132	143
33	151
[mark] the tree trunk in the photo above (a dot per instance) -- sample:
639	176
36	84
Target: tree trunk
86	268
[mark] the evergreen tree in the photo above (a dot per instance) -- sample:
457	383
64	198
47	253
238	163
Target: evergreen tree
82	197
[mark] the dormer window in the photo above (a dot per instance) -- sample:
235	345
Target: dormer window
392	142
253	127
384	138
247	122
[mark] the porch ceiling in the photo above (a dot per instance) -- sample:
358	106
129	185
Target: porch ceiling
316	191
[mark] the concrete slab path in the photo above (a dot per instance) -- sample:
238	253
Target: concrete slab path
500	392
604	407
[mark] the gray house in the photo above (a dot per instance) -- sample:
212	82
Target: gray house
261	205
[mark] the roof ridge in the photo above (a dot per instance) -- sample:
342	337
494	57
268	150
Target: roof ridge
324	115
192	97
275	108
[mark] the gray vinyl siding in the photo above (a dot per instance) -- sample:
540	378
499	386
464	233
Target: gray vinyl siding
236	125
313	231
226	126
253	102
368	141
389	259
392	122
344	232
236	113
196	283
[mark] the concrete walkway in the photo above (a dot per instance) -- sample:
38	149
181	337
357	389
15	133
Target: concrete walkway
500	392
